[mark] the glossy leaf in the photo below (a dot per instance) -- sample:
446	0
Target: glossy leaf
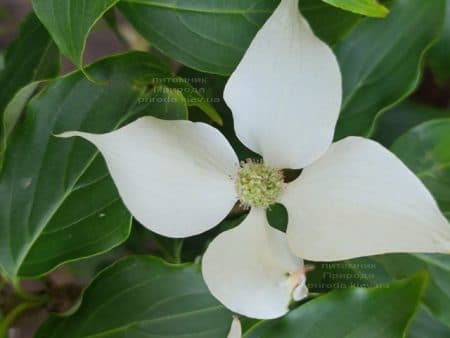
425	150
206	35
70	21
425	325
58	201
33	56
364	7
439	56
437	294
164	103
212	35
13	112
277	215
398	120
328	22
144	297
14	108
379	312
380	61
194	97
359	272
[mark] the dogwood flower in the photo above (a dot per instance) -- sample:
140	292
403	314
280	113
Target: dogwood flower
236	328
353	198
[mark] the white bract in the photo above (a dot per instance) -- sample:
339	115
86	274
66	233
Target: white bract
236	328
354	198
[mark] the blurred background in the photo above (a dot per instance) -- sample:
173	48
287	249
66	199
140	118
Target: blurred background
101	42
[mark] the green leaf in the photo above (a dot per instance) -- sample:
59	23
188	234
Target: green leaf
163	102
364	7
398	120
359	272
58	201
70	21
425	150
437	294
13	112
277	216
14	108
33	56
212	36
379	312
439	56
380	61
144	297
425	325
328	22
205	35
193	96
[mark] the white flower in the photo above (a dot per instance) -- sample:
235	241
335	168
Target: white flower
354	198
236	328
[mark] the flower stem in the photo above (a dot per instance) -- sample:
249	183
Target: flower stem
15	313
24	295
177	250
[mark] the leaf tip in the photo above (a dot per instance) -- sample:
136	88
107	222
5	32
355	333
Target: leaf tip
91	79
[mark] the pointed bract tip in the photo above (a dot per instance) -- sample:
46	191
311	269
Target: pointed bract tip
236	328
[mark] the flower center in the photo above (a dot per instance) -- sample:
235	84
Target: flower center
258	185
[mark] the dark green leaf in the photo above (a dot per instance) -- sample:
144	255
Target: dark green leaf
70	21
16	105
258	329
329	23
439	55
437	294
425	325
13	112
380	61
33	56
209	36
425	150
212	36
58	201
277	216
364	7
163	102
378	312
144	297
398	120
193	96
360	272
